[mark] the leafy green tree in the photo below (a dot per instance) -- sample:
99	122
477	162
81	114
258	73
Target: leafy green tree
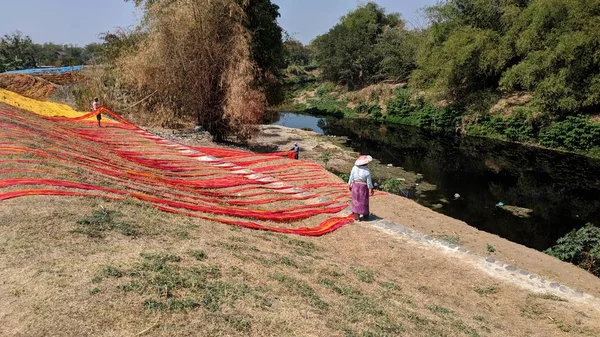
398	48
17	52
295	53
347	53
548	47
267	45
467	47
557	44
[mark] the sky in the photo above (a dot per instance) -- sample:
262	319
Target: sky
80	22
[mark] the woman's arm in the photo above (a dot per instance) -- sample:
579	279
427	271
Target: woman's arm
370	182
352	176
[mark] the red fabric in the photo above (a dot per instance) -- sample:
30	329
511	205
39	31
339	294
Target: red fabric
221	185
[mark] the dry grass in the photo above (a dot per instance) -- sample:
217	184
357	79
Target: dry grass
186	277
195	63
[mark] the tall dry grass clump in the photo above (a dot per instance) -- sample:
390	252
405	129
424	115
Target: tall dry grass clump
195	63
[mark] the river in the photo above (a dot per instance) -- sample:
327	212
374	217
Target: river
562	190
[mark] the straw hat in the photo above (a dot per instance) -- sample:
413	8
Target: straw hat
363	160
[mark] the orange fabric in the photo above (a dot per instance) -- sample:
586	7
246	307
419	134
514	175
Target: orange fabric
228	186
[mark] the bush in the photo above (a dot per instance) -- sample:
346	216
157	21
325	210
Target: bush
391	185
520	127
324	89
375	111
400	105
328	107
580	247
575	133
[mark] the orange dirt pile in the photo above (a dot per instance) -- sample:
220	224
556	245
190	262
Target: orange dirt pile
28	86
63	78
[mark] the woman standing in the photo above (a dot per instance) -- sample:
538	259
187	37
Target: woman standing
361	185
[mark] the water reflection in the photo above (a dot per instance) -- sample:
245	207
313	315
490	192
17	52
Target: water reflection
298	121
562	189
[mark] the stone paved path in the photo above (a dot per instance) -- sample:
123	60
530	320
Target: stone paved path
497	269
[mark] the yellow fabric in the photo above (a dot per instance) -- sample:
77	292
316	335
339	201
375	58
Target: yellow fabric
49	109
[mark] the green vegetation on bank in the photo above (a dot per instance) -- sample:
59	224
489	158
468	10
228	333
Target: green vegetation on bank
517	70
580	247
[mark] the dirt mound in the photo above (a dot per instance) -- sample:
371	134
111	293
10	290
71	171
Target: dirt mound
62	78
28	86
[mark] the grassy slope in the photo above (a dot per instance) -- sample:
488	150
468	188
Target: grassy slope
186	277
88	267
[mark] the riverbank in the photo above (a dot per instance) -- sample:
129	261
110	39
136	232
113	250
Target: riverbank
402	210
104	267
511	118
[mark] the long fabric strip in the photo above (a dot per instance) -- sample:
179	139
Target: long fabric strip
63	157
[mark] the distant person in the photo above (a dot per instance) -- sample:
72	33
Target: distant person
296	150
95	107
361	185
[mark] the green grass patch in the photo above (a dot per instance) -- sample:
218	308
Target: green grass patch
438	310
169	286
287	261
184	235
102	220
452	239
198	254
364	275
110	271
390	286
489	290
309	246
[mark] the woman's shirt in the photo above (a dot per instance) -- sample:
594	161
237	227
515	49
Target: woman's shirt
361	174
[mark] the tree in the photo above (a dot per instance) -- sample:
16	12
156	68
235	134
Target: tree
195	60
398	48
548	47
467	47
557	44
267	46
17	52
295	53
347	53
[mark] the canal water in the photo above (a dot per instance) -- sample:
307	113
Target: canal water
561	189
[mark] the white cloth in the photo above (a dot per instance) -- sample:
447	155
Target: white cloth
361	174
94	106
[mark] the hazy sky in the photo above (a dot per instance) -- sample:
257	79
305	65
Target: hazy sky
81	21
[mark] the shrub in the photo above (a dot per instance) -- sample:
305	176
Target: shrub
197	64
400	105
324	89
580	247
575	133
519	127
391	185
